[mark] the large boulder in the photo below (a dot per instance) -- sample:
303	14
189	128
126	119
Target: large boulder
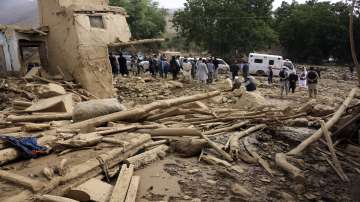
95	108
322	110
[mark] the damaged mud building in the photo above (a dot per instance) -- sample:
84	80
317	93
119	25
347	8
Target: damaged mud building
73	40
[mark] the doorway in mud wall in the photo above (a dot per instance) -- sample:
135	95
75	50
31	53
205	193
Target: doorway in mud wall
2	60
33	54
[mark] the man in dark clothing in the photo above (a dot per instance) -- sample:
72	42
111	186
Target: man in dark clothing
245	69
123	66
216	66
312	80
270	75
114	65
250	83
152	66
174	67
293	79
234	69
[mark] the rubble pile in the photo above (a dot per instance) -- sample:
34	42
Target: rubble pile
60	143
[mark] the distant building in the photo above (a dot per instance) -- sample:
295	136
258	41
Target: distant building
16	45
79	34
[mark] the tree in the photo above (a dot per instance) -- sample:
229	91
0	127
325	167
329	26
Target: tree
352	42
146	19
226	26
315	31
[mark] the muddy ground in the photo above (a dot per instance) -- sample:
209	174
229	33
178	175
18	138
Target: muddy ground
175	178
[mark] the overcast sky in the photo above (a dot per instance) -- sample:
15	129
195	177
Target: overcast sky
180	3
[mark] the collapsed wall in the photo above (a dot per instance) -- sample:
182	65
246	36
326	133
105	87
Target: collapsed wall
79	34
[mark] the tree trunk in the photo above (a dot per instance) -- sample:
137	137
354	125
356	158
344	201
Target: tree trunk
352	41
318	134
295	172
147	157
180	132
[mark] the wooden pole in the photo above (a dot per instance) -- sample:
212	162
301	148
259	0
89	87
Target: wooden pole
40	117
225	155
133	188
318	134
333	152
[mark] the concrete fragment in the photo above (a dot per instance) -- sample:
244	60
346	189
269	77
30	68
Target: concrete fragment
251	100
322	110
63	103
48	90
95	108
92	190
33	72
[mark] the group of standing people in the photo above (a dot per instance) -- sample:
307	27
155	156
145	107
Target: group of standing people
289	79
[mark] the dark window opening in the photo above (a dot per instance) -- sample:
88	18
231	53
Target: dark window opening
271	62
96	22
33	54
258	61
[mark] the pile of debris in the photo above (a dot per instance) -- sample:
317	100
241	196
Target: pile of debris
60	143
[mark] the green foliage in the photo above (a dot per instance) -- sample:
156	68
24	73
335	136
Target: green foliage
223	26
315	31
146	19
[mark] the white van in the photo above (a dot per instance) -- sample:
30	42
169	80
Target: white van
259	64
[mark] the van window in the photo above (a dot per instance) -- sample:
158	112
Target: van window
258	61
271	62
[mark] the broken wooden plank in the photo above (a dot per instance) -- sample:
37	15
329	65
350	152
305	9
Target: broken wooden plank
133	188
32	127
122	185
295	172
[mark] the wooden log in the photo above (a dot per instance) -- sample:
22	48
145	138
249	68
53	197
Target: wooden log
10	130
176	112
295	172
172	132
156	143
26	182
217	148
318	134
92	190
122	185
336	161
51	198
210	159
136	113
138	42
40	117
31	127
227	129
252	150
147	157
133	188
233	144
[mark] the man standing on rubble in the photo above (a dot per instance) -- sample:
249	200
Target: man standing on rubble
123	66
293	79
234	69
114	64
312	80
202	71
211	68
152	66
174	67
284	81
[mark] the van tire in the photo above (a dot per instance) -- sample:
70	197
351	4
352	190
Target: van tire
260	73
